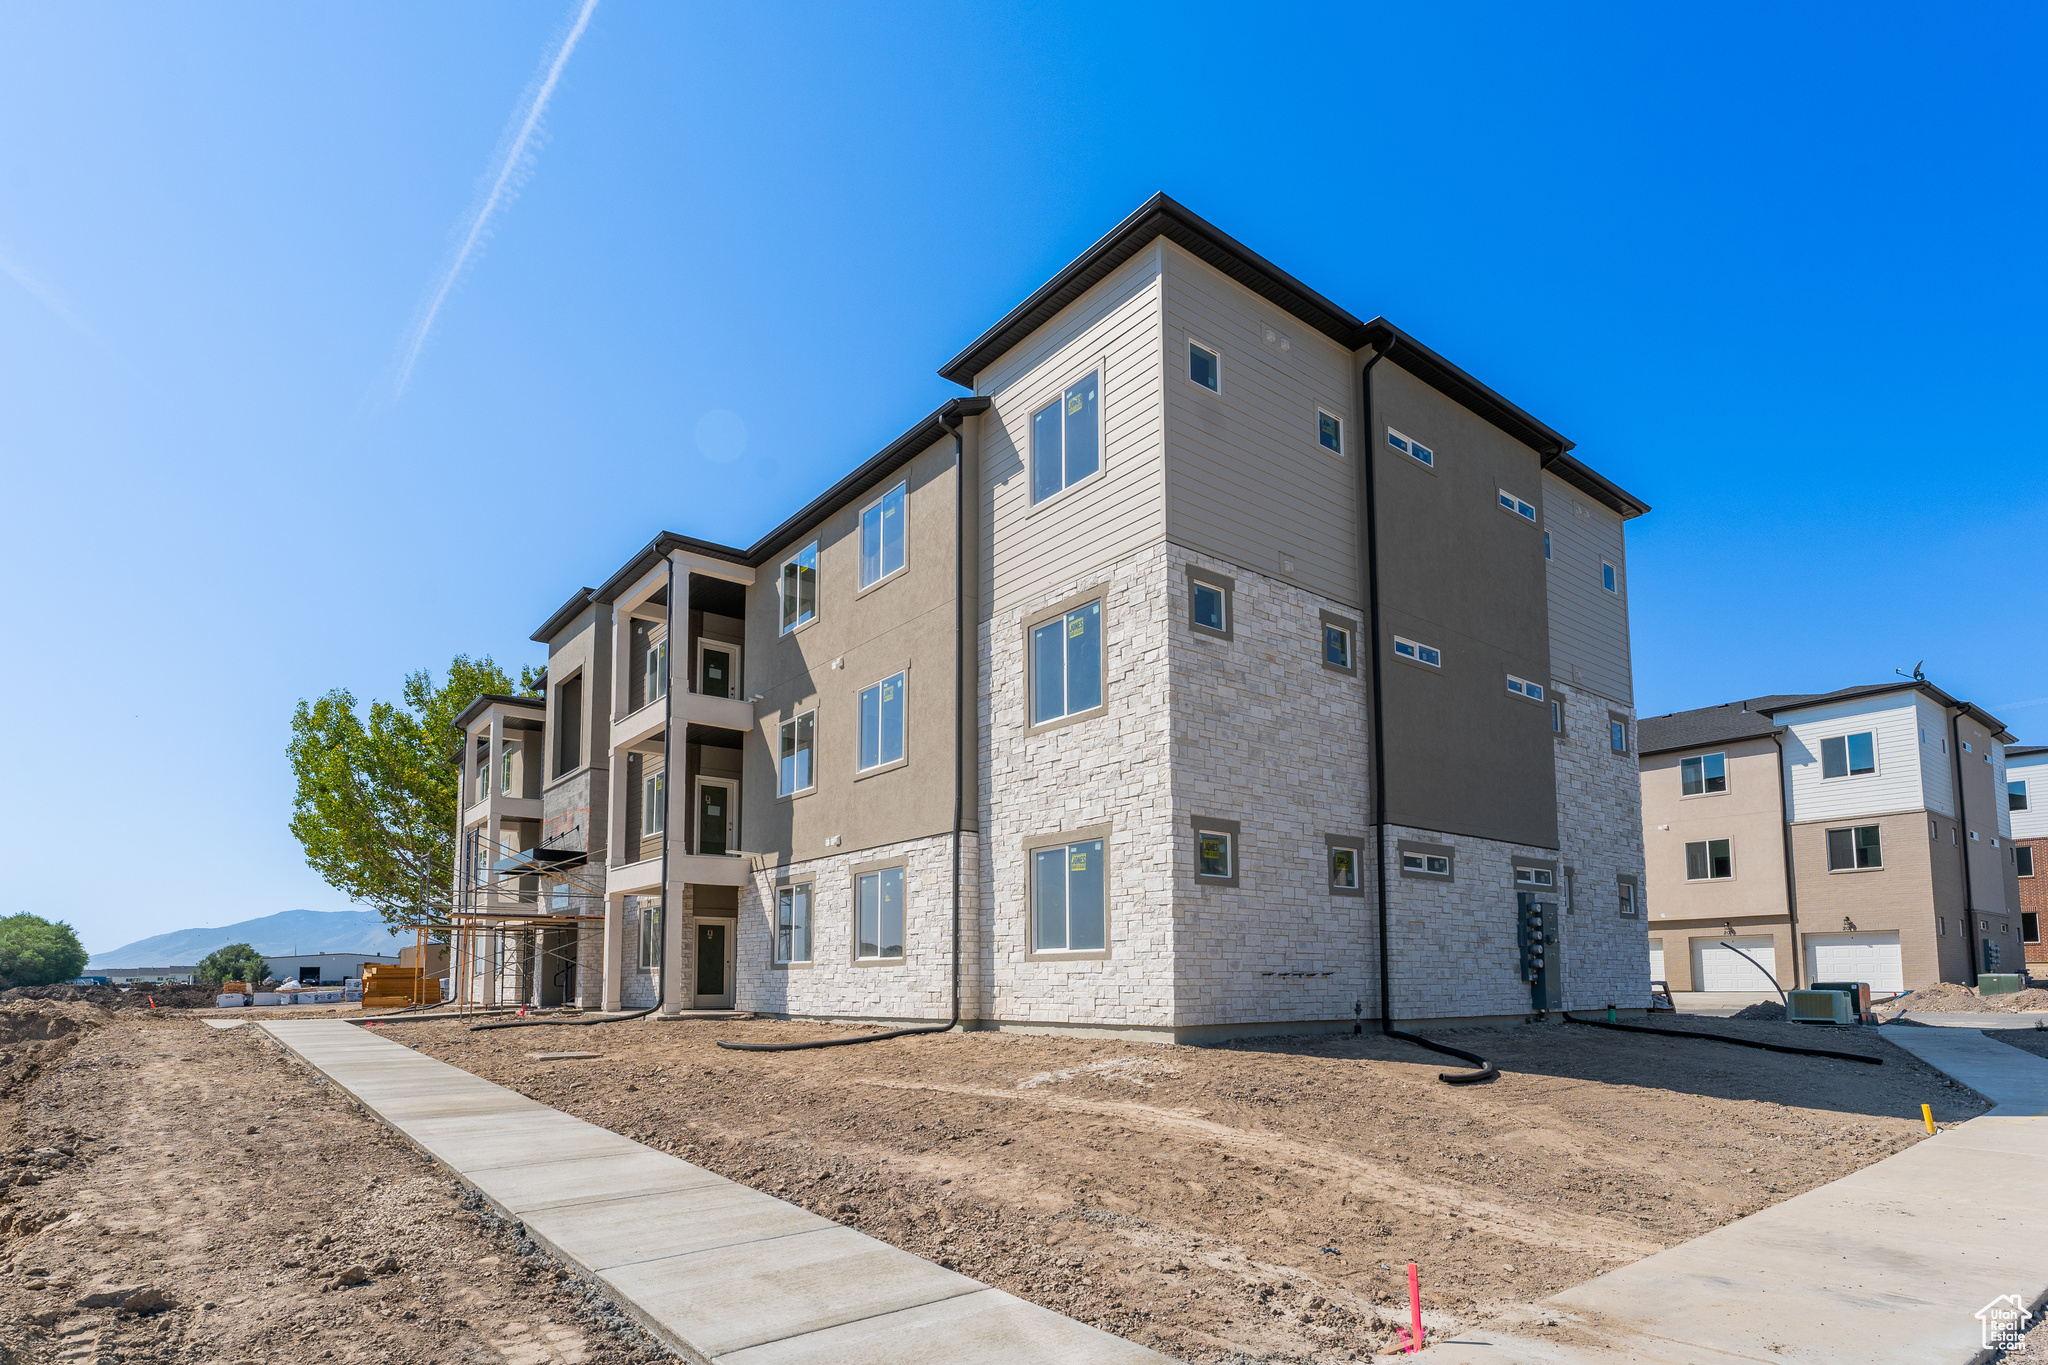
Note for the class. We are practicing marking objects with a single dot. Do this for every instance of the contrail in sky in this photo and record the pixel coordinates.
(34, 289)
(513, 167)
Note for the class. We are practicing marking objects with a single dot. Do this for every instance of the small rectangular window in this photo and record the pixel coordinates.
(1069, 898)
(878, 902)
(1546, 544)
(1617, 736)
(1433, 864)
(506, 756)
(1330, 431)
(1556, 716)
(1709, 860)
(1523, 688)
(1521, 507)
(1607, 578)
(1855, 848)
(1066, 664)
(654, 670)
(881, 536)
(1336, 646)
(1415, 450)
(650, 933)
(1703, 776)
(881, 723)
(2023, 858)
(1535, 876)
(1848, 755)
(2016, 795)
(800, 588)
(654, 804)
(1212, 853)
(794, 773)
(1207, 603)
(1344, 869)
(1204, 368)
(1420, 653)
(1066, 439)
(793, 924)
(1628, 900)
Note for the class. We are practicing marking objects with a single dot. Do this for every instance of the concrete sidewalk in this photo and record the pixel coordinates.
(1887, 1266)
(1982, 1019)
(720, 1272)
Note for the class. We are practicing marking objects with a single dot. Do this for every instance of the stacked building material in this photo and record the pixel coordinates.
(387, 987)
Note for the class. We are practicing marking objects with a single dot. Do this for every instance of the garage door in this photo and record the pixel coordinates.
(1657, 960)
(1855, 957)
(1714, 968)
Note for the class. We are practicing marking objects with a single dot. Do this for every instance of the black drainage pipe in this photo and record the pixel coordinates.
(1722, 1038)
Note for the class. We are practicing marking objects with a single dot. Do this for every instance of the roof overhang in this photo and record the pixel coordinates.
(1928, 689)
(490, 699)
(564, 614)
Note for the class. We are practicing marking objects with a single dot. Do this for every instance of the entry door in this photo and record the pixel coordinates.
(718, 669)
(1657, 960)
(1715, 968)
(715, 816)
(714, 964)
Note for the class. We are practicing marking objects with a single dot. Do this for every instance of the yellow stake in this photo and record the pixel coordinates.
(1927, 1112)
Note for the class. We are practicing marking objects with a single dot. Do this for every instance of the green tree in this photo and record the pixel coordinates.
(236, 962)
(36, 952)
(377, 802)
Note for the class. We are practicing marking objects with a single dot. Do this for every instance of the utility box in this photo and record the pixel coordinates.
(1857, 991)
(1999, 983)
(1820, 1007)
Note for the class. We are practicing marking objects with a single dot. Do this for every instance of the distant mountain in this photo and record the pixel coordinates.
(290, 931)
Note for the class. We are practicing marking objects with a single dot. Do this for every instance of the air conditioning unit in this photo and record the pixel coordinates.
(1857, 991)
(1820, 1007)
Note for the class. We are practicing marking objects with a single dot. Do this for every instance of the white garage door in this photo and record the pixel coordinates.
(1714, 968)
(1657, 960)
(1855, 957)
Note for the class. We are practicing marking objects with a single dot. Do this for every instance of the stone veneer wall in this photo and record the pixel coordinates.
(637, 984)
(1455, 950)
(1265, 735)
(832, 984)
(1112, 770)
(1600, 826)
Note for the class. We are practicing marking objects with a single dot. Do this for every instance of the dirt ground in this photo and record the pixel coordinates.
(150, 1149)
(1251, 1202)
(1946, 997)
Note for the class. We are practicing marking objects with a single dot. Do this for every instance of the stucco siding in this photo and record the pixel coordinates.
(1746, 814)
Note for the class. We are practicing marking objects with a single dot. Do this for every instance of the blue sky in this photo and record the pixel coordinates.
(1777, 270)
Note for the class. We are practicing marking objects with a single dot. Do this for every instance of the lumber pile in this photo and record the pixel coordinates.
(386, 987)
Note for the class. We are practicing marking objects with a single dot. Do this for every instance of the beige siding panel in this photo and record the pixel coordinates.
(1246, 479)
(1028, 549)
(1588, 625)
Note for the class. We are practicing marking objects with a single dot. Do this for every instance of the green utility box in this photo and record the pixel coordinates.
(1857, 991)
(1999, 983)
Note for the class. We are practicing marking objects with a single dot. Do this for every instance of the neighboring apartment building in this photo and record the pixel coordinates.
(1859, 835)
(1057, 712)
(2026, 797)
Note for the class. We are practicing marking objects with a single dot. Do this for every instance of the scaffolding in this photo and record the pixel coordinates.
(515, 929)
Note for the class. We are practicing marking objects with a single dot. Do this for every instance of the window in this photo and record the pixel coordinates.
(881, 536)
(562, 898)
(1212, 853)
(1435, 864)
(654, 670)
(1066, 664)
(878, 912)
(1209, 605)
(1851, 850)
(1336, 646)
(1066, 439)
(1628, 899)
(2030, 927)
(1703, 776)
(881, 723)
(1344, 869)
(1848, 755)
(1535, 876)
(1607, 578)
(1412, 448)
(1204, 368)
(2016, 796)
(505, 757)
(793, 924)
(1521, 687)
(1521, 507)
(1617, 735)
(1546, 544)
(2023, 859)
(1420, 653)
(800, 589)
(1330, 431)
(654, 803)
(1709, 860)
(798, 734)
(1068, 903)
(650, 932)
(569, 726)
(1556, 716)
(483, 769)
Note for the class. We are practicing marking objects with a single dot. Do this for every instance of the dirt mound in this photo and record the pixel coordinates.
(31, 1021)
(1762, 1009)
(167, 994)
(1946, 997)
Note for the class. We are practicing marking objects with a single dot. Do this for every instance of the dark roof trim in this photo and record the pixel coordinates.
(1709, 742)
(1970, 709)
(484, 703)
(891, 458)
(563, 615)
(2013, 751)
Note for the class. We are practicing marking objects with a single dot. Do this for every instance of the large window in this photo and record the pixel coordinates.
(1069, 901)
(1066, 664)
(800, 588)
(881, 536)
(2030, 927)
(1851, 850)
(654, 671)
(2023, 859)
(795, 771)
(1703, 776)
(881, 723)
(2016, 795)
(793, 924)
(1066, 439)
(1849, 755)
(654, 803)
(507, 756)
(878, 912)
(569, 726)
(650, 932)
(1709, 860)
